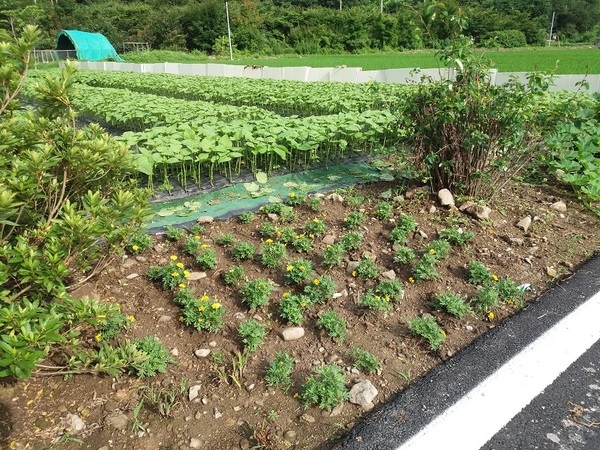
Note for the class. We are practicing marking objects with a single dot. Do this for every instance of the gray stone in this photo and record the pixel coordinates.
(390, 274)
(193, 392)
(202, 352)
(118, 421)
(175, 352)
(445, 197)
(551, 271)
(128, 263)
(195, 276)
(164, 318)
(217, 414)
(351, 267)
(290, 435)
(524, 223)
(307, 418)
(74, 422)
(131, 276)
(273, 217)
(432, 209)
(363, 393)
(559, 206)
(480, 212)
(292, 333)
(329, 239)
(195, 443)
(335, 198)
(205, 219)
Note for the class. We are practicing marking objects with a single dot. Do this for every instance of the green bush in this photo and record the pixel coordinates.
(505, 39)
(326, 387)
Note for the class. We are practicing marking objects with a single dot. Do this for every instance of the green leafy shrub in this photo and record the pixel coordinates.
(272, 254)
(404, 255)
(140, 243)
(391, 290)
(234, 275)
(315, 227)
(191, 245)
(157, 357)
(294, 199)
(351, 241)
(333, 323)
(439, 249)
(325, 387)
(455, 236)
(225, 240)
(206, 258)
(486, 298)
(367, 269)
(383, 210)
(247, 217)
(256, 293)
(333, 255)
(452, 303)
(268, 230)
(204, 313)
(302, 244)
(252, 334)
(509, 292)
(505, 39)
(173, 233)
(375, 302)
(472, 136)
(298, 271)
(320, 289)
(479, 274)
(354, 220)
(428, 329)
(243, 251)
(425, 268)
(279, 371)
(365, 361)
(171, 275)
(292, 308)
(405, 225)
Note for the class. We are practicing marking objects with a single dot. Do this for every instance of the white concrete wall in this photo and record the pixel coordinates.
(341, 74)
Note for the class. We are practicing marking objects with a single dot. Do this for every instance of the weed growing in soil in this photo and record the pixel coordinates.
(428, 329)
(279, 371)
(333, 323)
(325, 387)
(234, 275)
(252, 333)
(365, 361)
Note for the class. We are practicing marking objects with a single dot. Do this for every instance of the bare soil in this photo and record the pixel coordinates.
(35, 414)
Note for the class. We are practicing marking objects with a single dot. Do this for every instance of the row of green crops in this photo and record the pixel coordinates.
(281, 96)
(191, 141)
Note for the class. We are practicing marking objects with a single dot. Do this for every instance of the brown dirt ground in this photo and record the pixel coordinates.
(33, 413)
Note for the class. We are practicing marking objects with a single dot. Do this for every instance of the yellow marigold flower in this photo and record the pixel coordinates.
(186, 274)
(98, 337)
(411, 280)
(328, 245)
(302, 267)
(315, 220)
(292, 195)
(286, 294)
(181, 319)
(215, 305)
(197, 237)
(303, 304)
(509, 301)
(296, 395)
(262, 208)
(312, 236)
(354, 273)
(432, 251)
(204, 246)
(491, 315)
(316, 282)
(174, 274)
(289, 268)
(173, 257)
(298, 236)
(131, 319)
(201, 308)
(495, 277)
(345, 219)
(269, 241)
(200, 320)
(387, 298)
(181, 285)
(135, 248)
(180, 265)
(443, 332)
(377, 297)
(204, 297)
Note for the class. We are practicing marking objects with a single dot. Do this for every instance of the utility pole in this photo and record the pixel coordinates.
(229, 31)
(551, 29)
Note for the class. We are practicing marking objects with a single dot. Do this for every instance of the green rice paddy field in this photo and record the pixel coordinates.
(567, 60)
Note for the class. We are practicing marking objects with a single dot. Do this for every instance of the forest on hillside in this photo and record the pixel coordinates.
(311, 26)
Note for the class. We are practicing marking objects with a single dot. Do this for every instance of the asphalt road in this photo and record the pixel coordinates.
(532, 382)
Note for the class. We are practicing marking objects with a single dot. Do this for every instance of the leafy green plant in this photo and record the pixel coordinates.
(315, 227)
(279, 371)
(383, 210)
(173, 233)
(272, 254)
(354, 220)
(225, 240)
(404, 255)
(247, 217)
(196, 229)
(292, 307)
(439, 249)
(365, 361)
(156, 359)
(456, 236)
(287, 235)
(428, 329)
(509, 292)
(302, 244)
(295, 199)
(191, 245)
(452, 303)
(298, 271)
(206, 258)
(163, 400)
(367, 269)
(268, 230)
(243, 251)
(333, 323)
(391, 290)
(425, 268)
(405, 224)
(114, 324)
(315, 204)
(140, 243)
(375, 302)
(486, 298)
(478, 273)
(204, 313)
(234, 275)
(325, 387)
(171, 275)
(256, 293)
(320, 289)
(333, 255)
(252, 333)
(351, 241)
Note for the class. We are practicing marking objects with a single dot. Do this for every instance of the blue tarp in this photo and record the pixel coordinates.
(88, 46)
